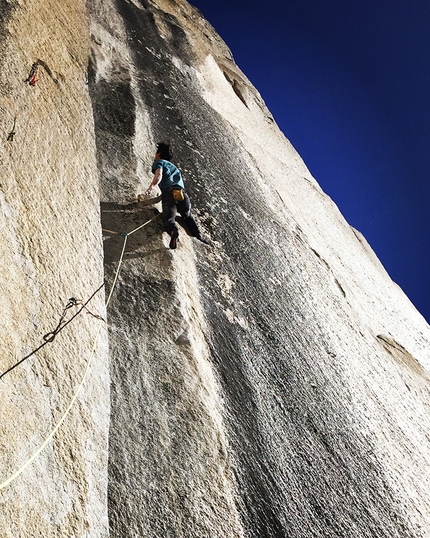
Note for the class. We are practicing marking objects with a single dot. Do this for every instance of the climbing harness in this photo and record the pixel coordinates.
(12, 134)
(60, 326)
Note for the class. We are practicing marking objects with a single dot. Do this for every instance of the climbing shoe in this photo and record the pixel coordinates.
(173, 239)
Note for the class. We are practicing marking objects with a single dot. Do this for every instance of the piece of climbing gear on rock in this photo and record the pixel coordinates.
(110, 231)
(78, 302)
(49, 337)
(33, 77)
(12, 134)
(45, 66)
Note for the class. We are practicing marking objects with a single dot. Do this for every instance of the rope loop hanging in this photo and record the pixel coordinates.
(51, 336)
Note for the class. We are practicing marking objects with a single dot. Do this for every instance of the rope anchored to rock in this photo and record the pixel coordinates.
(51, 336)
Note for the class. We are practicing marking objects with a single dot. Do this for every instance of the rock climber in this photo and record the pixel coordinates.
(173, 196)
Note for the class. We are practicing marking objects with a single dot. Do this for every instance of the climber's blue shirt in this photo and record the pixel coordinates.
(171, 175)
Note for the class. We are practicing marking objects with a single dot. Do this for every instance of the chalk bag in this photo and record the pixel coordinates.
(178, 195)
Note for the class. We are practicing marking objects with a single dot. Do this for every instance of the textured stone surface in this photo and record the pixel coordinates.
(274, 384)
(315, 362)
(51, 251)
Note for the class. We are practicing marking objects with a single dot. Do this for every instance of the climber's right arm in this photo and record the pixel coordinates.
(158, 174)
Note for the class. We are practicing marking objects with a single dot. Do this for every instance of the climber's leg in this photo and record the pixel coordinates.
(169, 212)
(184, 209)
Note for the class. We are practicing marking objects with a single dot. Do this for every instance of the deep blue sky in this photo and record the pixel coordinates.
(348, 82)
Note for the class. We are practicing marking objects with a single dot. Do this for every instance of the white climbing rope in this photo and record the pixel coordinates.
(69, 407)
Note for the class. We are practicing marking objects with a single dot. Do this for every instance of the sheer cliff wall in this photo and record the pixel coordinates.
(51, 249)
(273, 384)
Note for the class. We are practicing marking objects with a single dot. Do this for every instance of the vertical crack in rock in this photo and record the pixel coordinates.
(169, 469)
(249, 397)
(167, 443)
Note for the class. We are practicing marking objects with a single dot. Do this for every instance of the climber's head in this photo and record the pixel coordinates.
(163, 151)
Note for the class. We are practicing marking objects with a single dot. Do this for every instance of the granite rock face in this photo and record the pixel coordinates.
(275, 383)
(51, 247)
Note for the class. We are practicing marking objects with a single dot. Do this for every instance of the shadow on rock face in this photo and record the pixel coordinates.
(119, 220)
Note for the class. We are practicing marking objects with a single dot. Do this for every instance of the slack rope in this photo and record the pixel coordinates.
(73, 400)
